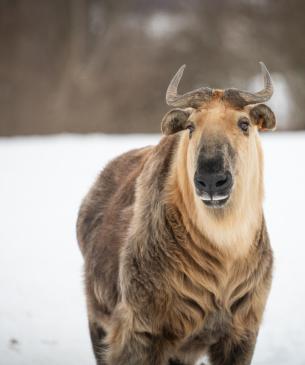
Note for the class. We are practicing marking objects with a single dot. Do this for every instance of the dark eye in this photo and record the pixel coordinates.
(244, 125)
(191, 128)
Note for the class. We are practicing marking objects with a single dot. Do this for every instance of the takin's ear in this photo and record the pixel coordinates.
(263, 117)
(175, 120)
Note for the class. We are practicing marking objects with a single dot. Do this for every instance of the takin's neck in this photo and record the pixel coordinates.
(232, 229)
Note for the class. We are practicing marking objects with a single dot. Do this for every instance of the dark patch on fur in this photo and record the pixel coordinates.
(226, 352)
(98, 335)
(175, 362)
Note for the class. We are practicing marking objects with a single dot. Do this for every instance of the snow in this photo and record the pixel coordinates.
(42, 307)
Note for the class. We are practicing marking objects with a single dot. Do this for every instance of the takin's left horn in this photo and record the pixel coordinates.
(243, 98)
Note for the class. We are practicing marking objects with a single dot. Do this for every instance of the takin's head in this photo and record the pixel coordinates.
(222, 152)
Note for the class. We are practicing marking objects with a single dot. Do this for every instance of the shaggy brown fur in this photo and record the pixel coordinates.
(168, 280)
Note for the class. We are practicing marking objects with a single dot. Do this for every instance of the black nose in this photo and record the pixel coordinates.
(212, 183)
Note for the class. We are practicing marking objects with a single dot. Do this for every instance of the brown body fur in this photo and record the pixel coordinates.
(164, 281)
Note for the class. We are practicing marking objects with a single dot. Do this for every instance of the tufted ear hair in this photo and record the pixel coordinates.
(263, 117)
(175, 120)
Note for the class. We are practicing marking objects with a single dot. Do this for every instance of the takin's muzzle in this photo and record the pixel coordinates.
(213, 177)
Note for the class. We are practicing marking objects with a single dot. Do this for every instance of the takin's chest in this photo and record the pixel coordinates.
(206, 308)
(201, 318)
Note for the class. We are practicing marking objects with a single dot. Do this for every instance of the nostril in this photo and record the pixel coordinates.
(221, 181)
(201, 182)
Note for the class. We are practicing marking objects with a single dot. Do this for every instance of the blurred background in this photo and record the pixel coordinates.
(103, 66)
(82, 81)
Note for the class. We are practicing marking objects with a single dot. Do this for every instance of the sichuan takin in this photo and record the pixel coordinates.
(177, 257)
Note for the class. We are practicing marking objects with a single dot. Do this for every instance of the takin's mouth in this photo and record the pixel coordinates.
(215, 200)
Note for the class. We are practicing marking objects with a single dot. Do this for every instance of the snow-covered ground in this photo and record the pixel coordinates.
(42, 307)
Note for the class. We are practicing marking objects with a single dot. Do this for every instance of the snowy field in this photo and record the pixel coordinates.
(42, 307)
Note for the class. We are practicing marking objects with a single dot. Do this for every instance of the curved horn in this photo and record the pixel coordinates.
(171, 92)
(191, 99)
(243, 98)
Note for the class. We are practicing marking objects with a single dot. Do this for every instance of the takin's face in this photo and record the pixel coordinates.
(222, 147)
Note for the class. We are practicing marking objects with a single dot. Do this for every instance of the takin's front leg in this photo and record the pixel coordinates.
(127, 345)
(229, 352)
(135, 349)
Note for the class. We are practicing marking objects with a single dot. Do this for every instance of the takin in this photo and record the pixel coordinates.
(177, 259)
